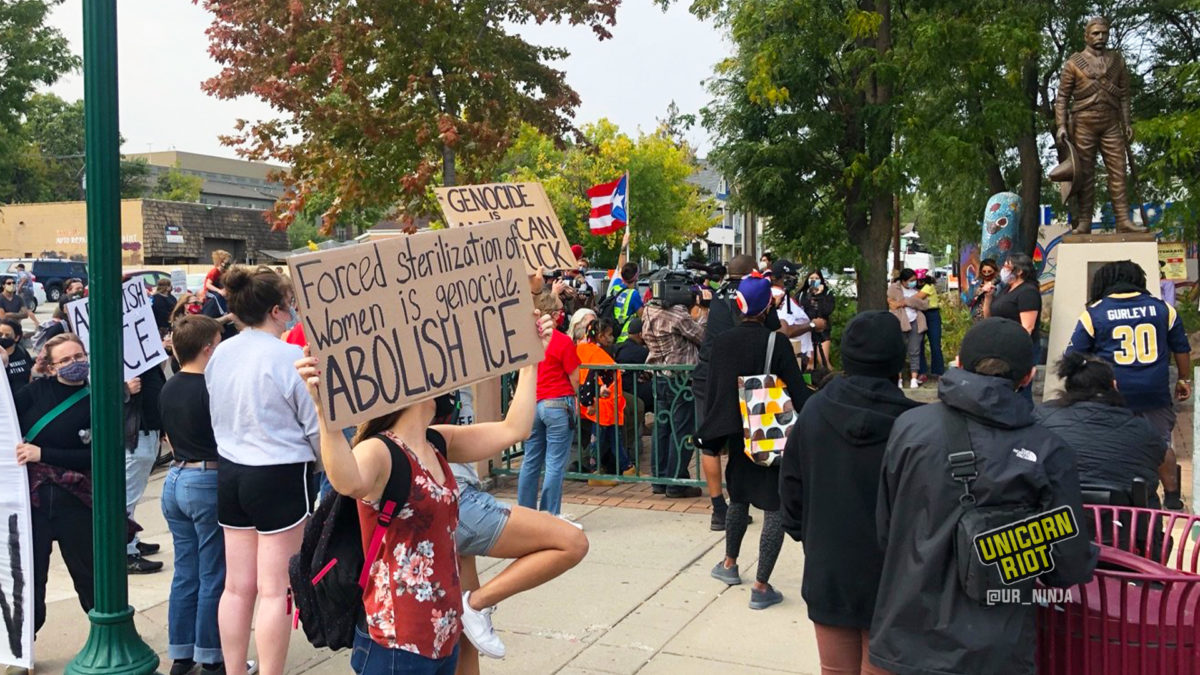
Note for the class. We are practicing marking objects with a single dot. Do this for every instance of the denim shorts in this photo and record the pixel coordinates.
(481, 519)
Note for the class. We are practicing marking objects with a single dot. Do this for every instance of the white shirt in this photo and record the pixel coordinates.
(790, 313)
(261, 411)
(910, 312)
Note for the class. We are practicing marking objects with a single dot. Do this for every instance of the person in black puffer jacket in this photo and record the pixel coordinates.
(1112, 445)
(829, 483)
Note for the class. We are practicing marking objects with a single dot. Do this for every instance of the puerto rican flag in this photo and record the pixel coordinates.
(609, 204)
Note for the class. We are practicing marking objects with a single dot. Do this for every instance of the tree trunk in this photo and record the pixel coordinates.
(449, 178)
(1031, 161)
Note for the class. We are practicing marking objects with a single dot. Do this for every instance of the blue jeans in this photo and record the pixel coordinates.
(549, 445)
(189, 503)
(371, 658)
(937, 363)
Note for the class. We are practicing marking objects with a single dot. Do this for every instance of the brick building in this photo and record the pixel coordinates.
(153, 232)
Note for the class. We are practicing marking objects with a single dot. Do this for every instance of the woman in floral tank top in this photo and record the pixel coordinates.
(413, 598)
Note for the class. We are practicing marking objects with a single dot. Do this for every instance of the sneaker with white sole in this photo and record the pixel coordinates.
(914, 384)
(477, 626)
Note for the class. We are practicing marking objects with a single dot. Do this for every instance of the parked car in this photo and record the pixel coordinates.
(39, 291)
(51, 272)
(149, 277)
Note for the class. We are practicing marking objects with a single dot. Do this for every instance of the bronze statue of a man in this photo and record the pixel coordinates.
(1098, 81)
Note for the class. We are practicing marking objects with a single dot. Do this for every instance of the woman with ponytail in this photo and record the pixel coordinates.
(413, 619)
(265, 426)
(1112, 445)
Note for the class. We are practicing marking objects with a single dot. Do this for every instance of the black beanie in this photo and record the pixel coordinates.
(1001, 339)
(873, 345)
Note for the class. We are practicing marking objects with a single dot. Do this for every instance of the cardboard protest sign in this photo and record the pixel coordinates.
(143, 345)
(400, 320)
(543, 243)
(16, 555)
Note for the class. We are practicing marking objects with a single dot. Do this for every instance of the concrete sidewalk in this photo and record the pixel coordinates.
(641, 602)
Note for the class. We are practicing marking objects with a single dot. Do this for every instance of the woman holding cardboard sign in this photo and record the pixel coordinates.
(412, 621)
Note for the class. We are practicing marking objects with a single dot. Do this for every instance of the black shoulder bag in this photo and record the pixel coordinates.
(975, 575)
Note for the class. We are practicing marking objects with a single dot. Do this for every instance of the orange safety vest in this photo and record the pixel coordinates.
(593, 354)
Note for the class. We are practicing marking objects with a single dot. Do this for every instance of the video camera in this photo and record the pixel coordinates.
(677, 288)
(715, 272)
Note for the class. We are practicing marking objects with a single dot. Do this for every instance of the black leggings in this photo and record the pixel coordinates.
(737, 519)
(60, 516)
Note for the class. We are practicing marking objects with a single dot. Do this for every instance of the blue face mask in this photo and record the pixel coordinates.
(293, 318)
(75, 371)
(814, 283)
(911, 284)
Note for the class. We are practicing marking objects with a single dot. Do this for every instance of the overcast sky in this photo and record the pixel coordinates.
(654, 57)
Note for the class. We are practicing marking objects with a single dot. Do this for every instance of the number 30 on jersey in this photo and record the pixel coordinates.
(1139, 344)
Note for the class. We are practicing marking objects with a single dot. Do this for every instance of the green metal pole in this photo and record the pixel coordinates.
(113, 644)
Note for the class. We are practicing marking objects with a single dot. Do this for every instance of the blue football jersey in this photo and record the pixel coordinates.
(1138, 334)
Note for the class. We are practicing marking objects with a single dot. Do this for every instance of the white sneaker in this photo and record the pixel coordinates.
(570, 519)
(900, 383)
(914, 384)
(477, 626)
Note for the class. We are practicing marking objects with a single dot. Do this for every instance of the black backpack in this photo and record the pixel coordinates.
(608, 308)
(329, 573)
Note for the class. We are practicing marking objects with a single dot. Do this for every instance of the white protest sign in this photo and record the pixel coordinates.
(143, 345)
(178, 281)
(16, 557)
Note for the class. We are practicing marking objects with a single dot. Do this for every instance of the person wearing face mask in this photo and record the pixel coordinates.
(818, 303)
(162, 303)
(56, 420)
(265, 426)
(765, 261)
(908, 306)
(1021, 302)
(11, 304)
(18, 363)
(987, 275)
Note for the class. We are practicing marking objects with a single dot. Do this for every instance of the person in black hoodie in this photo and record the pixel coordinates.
(723, 315)
(744, 352)
(829, 483)
(929, 615)
(1112, 444)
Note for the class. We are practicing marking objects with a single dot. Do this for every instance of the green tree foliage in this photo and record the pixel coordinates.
(379, 98)
(804, 120)
(32, 54)
(665, 210)
(1167, 116)
(827, 107)
(45, 160)
(174, 185)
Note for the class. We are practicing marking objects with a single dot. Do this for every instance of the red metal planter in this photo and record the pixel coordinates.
(1138, 614)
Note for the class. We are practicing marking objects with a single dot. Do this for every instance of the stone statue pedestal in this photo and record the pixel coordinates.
(1079, 256)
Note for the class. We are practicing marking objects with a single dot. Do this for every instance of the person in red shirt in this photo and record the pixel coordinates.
(550, 443)
(212, 280)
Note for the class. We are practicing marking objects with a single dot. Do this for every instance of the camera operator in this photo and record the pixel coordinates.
(723, 315)
(673, 327)
(794, 322)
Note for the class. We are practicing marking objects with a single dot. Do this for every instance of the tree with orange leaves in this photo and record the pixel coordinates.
(379, 98)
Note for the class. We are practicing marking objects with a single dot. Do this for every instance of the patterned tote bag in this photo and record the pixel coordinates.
(767, 413)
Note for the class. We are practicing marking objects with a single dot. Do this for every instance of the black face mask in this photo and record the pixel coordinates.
(447, 405)
(6, 342)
